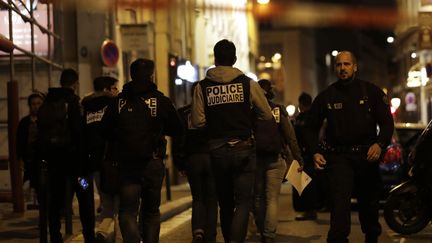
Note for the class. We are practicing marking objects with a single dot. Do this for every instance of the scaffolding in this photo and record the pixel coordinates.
(24, 9)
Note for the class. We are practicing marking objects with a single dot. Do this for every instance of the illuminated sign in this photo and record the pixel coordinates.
(22, 30)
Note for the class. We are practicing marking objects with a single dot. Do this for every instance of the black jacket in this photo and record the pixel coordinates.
(353, 110)
(164, 121)
(72, 156)
(95, 106)
(194, 140)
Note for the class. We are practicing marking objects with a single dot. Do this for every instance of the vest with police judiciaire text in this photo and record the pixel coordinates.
(227, 108)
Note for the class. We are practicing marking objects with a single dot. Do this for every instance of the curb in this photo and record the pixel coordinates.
(168, 210)
(172, 208)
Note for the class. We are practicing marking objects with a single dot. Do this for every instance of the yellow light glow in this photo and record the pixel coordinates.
(263, 1)
(291, 110)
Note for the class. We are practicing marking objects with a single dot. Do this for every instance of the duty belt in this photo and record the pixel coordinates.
(345, 148)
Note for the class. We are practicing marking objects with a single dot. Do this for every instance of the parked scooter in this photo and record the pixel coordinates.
(408, 208)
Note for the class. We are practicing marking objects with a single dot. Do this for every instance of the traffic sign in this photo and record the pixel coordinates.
(109, 53)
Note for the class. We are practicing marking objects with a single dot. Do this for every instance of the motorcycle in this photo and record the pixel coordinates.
(408, 208)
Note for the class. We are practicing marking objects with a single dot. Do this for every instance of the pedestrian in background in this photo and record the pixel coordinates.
(95, 105)
(26, 141)
(139, 119)
(224, 103)
(309, 201)
(271, 136)
(193, 160)
(353, 109)
(61, 145)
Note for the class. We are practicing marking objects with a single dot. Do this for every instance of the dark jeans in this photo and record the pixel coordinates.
(345, 173)
(144, 183)
(204, 199)
(59, 185)
(234, 172)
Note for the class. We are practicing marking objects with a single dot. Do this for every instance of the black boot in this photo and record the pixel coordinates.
(267, 240)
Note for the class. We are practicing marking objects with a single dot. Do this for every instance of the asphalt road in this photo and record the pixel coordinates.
(178, 229)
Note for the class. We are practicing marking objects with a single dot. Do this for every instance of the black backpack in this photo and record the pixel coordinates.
(54, 124)
(139, 131)
(267, 136)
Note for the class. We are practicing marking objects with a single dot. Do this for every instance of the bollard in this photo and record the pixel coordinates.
(43, 202)
(68, 207)
(167, 184)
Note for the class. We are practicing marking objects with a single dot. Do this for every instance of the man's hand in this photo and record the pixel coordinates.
(319, 161)
(374, 152)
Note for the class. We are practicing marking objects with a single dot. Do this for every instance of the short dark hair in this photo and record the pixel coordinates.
(305, 99)
(224, 53)
(103, 82)
(35, 95)
(68, 77)
(265, 84)
(142, 69)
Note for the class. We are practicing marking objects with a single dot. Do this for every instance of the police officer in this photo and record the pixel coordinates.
(191, 157)
(223, 103)
(271, 168)
(353, 109)
(139, 119)
(95, 105)
(308, 202)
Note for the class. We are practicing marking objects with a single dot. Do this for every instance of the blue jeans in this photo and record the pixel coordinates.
(145, 184)
(234, 172)
(269, 176)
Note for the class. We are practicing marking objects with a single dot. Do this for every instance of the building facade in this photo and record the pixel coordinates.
(102, 37)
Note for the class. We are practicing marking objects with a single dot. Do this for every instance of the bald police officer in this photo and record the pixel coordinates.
(353, 109)
(223, 103)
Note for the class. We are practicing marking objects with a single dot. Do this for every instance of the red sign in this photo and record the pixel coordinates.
(109, 53)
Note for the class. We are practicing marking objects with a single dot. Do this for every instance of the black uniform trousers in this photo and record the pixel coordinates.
(59, 185)
(348, 171)
(204, 203)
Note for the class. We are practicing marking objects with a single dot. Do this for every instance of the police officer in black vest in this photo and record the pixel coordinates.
(139, 119)
(223, 103)
(353, 109)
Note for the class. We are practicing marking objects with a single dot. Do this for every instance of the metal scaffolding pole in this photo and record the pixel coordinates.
(13, 119)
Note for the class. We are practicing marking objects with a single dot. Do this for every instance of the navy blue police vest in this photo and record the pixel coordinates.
(227, 108)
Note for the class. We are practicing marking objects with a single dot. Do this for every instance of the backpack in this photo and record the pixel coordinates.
(267, 137)
(54, 125)
(139, 131)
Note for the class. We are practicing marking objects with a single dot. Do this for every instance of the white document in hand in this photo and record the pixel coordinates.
(298, 179)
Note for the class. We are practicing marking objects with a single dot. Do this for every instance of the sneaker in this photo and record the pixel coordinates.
(310, 215)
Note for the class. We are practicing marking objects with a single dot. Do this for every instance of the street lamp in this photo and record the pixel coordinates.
(390, 39)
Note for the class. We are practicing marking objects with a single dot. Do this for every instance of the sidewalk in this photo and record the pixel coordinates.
(23, 228)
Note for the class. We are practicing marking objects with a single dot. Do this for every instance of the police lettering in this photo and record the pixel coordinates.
(95, 116)
(225, 94)
(276, 114)
(152, 105)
